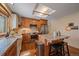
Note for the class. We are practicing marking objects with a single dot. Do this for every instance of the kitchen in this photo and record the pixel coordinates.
(29, 29)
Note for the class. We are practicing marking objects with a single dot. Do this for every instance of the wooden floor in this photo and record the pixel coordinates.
(73, 51)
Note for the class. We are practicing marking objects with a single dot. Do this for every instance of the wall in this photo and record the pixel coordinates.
(60, 24)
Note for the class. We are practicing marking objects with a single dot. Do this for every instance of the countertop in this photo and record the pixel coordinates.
(50, 38)
(5, 43)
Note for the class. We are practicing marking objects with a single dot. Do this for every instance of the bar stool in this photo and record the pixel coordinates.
(58, 49)
(65, 49)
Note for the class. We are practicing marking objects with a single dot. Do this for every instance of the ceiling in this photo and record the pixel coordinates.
(62, 9)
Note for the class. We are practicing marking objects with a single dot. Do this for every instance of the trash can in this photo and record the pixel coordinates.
(40, 49)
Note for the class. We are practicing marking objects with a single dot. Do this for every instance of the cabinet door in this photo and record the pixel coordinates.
(44, 29)
(28, 46)
(11, 51)
(26, 38)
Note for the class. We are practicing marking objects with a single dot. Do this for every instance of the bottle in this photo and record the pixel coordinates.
(7, 34)
(59, 33)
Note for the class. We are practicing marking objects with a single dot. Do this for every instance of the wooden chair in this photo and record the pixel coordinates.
(58, 48)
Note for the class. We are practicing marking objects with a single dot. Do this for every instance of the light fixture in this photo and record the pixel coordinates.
(11, 3)
(67, 28)
(25, 30)
(71, 26)
(42, 11)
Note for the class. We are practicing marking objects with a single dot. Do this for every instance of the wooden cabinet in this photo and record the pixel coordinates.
(26, 38)
(38, 24)
(27, 43)
(12, 50)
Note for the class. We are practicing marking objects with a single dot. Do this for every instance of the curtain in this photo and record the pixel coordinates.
(2, 24)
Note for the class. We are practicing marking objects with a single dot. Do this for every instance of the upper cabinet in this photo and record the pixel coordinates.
(39, 25)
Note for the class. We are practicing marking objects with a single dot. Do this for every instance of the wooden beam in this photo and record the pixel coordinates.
(1, 14)
(3, 11)
(6, 8)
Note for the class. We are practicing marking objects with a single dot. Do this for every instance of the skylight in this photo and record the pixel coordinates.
(42, 11)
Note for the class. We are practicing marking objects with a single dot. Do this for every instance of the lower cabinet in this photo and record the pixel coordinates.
(26, 43)
(28, 46)
(12, 50)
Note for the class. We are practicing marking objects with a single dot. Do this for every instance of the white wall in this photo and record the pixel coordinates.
(60, 24)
